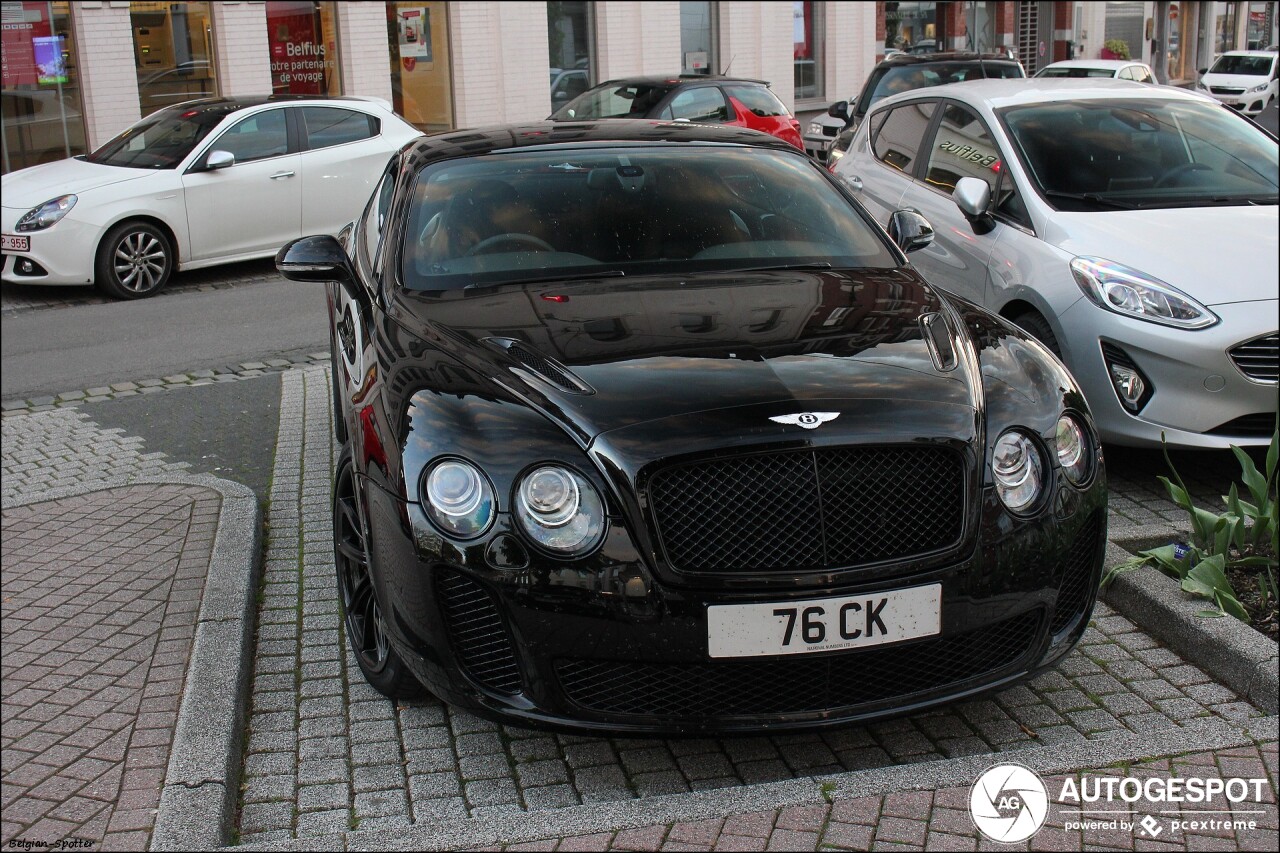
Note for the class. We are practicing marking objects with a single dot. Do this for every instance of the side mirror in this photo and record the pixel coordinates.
(1203, 70)
(840, 110)
(319, 258)
(219, 160)
(909, 230)
(973, 196)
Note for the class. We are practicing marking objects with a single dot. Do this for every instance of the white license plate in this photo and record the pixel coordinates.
(823, 624)
(14, 243)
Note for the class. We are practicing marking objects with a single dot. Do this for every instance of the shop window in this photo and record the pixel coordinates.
(570, 49)
(910, 27)
(697, 37)
(41, 87)
(303, 39)
(807, 28)
(173, 51)
(421, 81)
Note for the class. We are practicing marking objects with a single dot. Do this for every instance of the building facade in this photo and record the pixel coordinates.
(77, 73)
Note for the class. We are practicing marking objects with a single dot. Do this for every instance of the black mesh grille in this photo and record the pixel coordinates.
(476, 632)
(1075, 585)
(544, 367)
(808, 510)
(1259, 358)
(840, 681)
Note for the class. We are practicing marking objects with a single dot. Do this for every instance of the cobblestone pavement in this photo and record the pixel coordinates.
(327, 754)
(939, 819)
(100, 597)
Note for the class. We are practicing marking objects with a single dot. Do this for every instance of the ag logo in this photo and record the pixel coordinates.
(806, 420)
(1008, 803)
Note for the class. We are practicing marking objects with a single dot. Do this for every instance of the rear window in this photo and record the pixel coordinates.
(609, 100)
(624, 211)
(905, 78)
(1077, 72)
(758, 100)
(328, 126)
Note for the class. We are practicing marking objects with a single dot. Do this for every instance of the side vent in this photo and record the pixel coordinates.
(546, 368)
(938, 336)
(479, 639)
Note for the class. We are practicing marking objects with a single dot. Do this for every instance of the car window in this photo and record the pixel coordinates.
(1076, 72)
(897, 140)
(906, 78)
(704, 104)
(1126, 73)
(257, 137)
(1143, 152)
(375, 219)
(328, 126)
(160, 141)
(610, 100)
(758, 100)
(628, 211)
(962, 148)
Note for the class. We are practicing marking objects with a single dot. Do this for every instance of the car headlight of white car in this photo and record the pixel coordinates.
(1261, 87)
(42, 216)
(815, 129)
(1118, 288)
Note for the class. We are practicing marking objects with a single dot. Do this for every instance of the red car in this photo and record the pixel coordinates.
(687, 97)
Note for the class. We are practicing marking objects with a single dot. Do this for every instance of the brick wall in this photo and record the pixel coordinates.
(499, 62)
(363, 51)
(755, 41)
(637, 38)
(240, 45)
(108, 73)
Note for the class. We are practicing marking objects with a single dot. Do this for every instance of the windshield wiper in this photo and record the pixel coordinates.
(1095, 198)
(586, 276)
(817, 265)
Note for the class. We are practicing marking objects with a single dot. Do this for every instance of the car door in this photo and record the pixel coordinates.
(343, 155)
(253, 206)
(878, 167)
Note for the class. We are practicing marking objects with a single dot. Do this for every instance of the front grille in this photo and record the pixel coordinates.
(1075, 580)
(830, 130)
(798, 684)
(1225, 90)
(810, 509)
(476, 633)
(1260, 425)
(1259, 358)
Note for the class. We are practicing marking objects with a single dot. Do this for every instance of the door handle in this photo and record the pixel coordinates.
(278, 175)
(855, 183)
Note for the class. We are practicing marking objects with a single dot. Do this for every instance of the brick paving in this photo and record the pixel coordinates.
(938, 819)
(100, 598)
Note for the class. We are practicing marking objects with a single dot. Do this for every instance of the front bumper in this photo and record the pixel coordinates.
(594, 649)
(64, 252)
(818, 147)
(1249, 103)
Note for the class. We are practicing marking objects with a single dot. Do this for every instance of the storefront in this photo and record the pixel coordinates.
(173, 52)
(421, 79)
(42, 113)
(302, 37)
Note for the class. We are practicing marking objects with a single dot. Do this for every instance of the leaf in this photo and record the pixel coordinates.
(1195, 587)
(1119, 569)
(1206, 525)
(1251, 475)
(1166, 560)
(1232, 605)
(1215, 614)
(1273, 452)
(1177, 493)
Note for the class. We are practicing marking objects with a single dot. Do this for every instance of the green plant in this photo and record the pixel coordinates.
(1245, 538)
(1119, 47)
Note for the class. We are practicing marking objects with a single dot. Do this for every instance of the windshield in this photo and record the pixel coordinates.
(1104, 154)
(162, 140)
(609, 100)
(1253, 66)
(625, 211)
(904, 78)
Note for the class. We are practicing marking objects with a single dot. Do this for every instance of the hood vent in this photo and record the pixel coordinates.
(545, 367)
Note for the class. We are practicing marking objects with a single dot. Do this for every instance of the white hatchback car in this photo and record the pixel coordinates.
(1120, 69)
(200, 183)
(1245, 80)
(1132, 229)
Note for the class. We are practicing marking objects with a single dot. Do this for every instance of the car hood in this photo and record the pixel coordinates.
(35, 185)
(1215, 255)
(1235, 81)
(617, 353)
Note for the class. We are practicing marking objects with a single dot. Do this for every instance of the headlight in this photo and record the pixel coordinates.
(560, 510)
(1018, 470)
(39, 218)
(459, 499)
(1074, 451)
(815, 129)
(1126, 291)
(1259, 88)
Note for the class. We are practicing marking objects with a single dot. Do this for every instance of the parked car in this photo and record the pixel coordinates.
(206, 182)
(700, 98)
(648, 427)
(1244, 80)
(1120, 69)
(567, 84)
(901, 73)
(1131, 228)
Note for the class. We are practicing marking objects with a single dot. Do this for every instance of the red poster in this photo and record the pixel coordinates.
(297, 51)
(22, 23)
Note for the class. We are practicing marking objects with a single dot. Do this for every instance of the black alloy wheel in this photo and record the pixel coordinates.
(135, 259)
(366, 630)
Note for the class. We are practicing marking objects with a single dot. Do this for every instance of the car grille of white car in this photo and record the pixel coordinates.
(1225, 90)
(1259, 359)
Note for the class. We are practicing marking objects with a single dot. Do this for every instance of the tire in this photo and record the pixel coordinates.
(1038, 327)
(135, 260)
(339, 423)
(362, 617)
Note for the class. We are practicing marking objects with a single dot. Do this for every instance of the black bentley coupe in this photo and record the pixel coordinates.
(649, 428)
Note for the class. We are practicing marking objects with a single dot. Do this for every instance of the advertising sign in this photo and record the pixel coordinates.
(21, 25)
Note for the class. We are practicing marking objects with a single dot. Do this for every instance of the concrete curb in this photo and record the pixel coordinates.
(1199, 735)
(1226, 648)
(198, 802)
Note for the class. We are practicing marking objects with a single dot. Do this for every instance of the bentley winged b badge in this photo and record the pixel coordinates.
(806, 420)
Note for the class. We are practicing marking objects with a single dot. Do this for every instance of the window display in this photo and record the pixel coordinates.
(303, 39)
(173, 49)
(421, 80)
(41, 91)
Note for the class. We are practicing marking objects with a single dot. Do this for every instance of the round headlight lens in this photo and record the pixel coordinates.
(560, 510)
(1073, 450)
(1017, 469)
(459, 499)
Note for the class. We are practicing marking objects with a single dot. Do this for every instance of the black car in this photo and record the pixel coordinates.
(649, 428)
(901, 73)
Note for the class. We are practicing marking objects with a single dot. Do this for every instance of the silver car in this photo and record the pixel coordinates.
(1132, 229)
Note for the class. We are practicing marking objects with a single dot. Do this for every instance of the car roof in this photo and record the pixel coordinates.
(554, 134)
(998, 94)
(229, 105)
(674, 79)
(1093, 63)
(1248, 53)
(946, 56)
